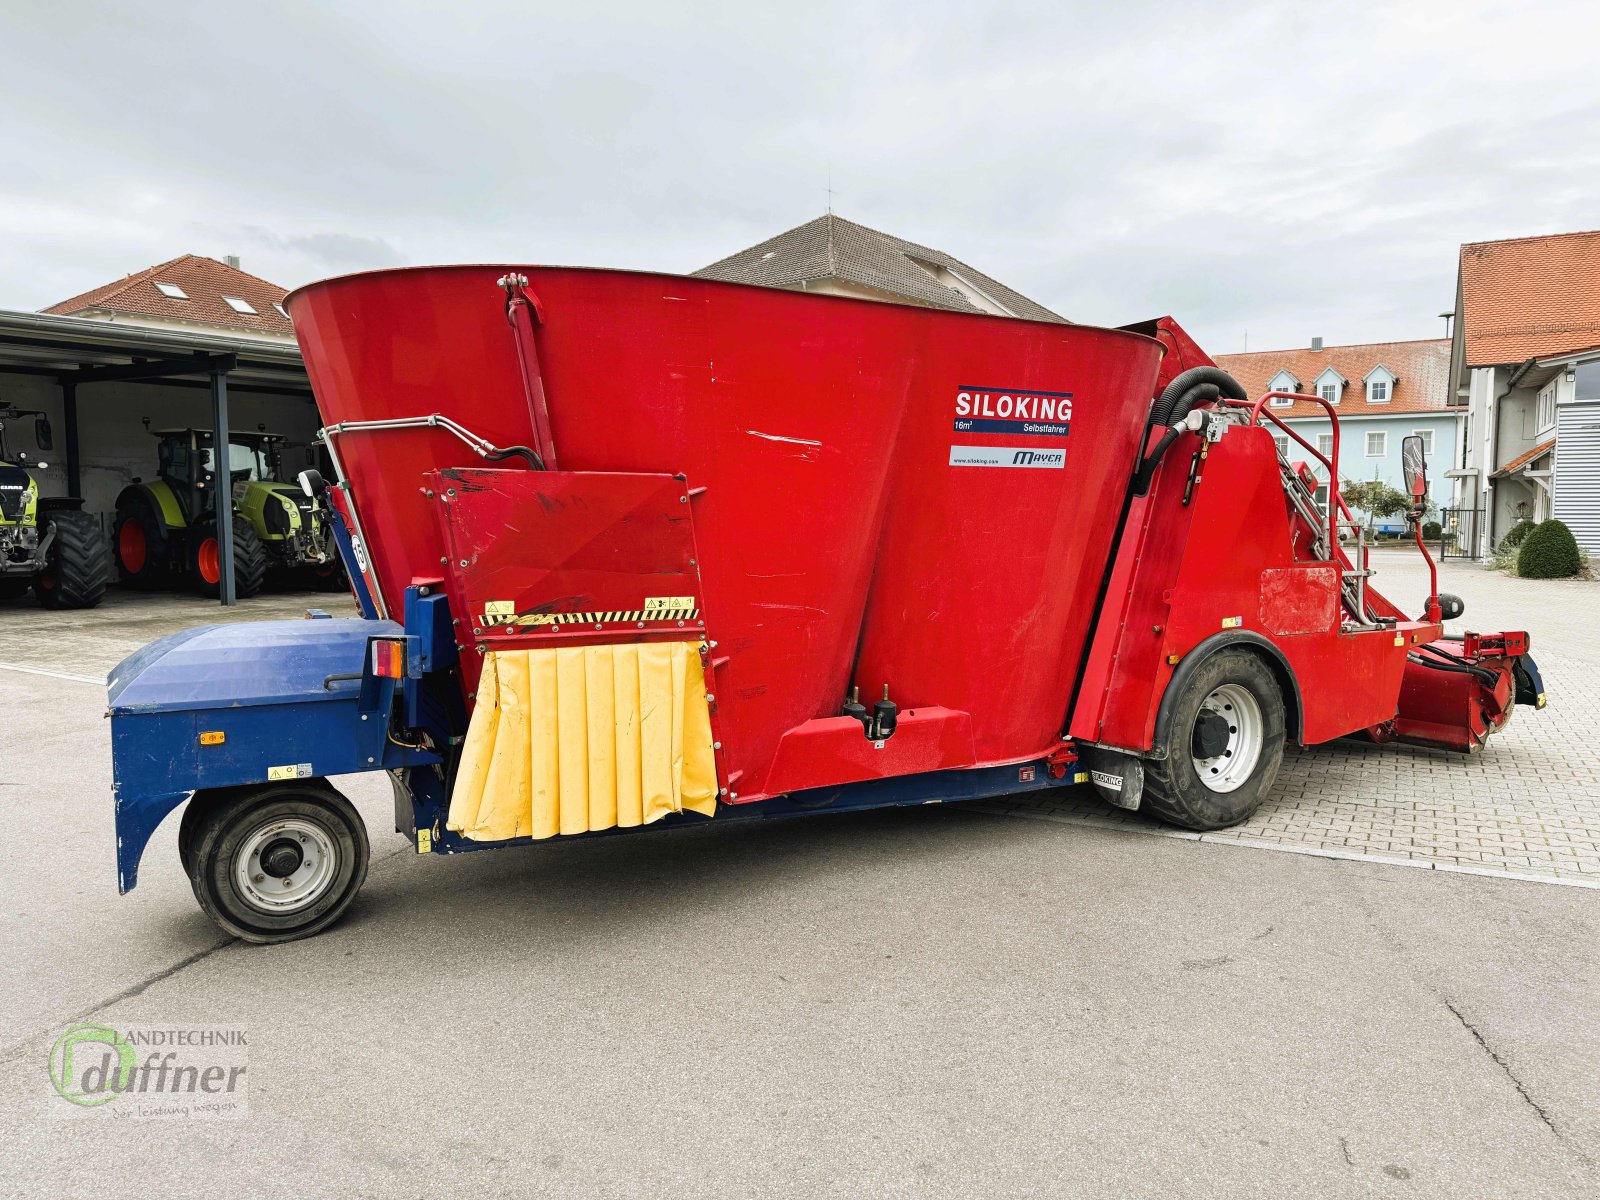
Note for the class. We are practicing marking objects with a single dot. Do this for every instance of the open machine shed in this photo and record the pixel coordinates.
(98, 380)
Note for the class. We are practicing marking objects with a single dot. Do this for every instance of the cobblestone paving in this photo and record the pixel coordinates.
(1526, 806)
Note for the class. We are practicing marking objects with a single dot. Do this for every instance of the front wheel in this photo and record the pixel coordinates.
(1223, 743)
(249, 560)
(77, 566)
(276, 862)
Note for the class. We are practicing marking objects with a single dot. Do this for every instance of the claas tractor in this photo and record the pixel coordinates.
(48, 544)
(166, 529)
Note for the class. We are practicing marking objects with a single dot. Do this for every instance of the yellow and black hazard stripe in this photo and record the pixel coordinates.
(608, 617)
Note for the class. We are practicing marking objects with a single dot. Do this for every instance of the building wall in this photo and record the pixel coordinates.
(114, 446)
(1355, 465)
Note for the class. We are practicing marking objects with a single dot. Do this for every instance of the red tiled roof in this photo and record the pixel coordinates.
(205, 281)
(1530, 297)
(1523, 460)
(1421, 370)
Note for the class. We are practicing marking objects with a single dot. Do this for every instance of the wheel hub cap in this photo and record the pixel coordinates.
(285, 865)
(1228, 737)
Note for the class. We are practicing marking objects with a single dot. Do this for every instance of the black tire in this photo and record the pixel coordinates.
(249, 559)
(149, 564)
(77, 566)
(329, 577)
(11, 588)
(1176, 787)
(312, 820)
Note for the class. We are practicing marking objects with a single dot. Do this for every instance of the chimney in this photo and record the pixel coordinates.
(233, 261)
(1316, 343)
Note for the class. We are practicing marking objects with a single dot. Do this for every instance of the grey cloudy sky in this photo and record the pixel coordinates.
(1289, 169)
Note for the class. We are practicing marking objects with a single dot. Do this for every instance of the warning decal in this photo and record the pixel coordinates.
(498, 612)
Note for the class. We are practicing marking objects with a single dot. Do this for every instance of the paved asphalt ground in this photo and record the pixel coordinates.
(924, 1002)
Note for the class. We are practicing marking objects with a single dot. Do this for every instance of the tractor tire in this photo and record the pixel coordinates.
(77, 567)
(249, 560)
(329, 577)
(276, 862)
(1223, 743)
(141, 545)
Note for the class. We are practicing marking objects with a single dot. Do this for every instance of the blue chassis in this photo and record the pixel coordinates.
(297, 700)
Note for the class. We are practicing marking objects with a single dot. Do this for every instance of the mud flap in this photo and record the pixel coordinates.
(1529, 683)
(1118, 777)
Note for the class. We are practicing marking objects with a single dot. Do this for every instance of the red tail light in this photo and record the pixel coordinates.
(388, 658)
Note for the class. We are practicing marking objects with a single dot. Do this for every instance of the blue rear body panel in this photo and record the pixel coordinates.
(265, 687)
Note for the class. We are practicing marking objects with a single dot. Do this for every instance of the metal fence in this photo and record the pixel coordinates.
(1458, 532)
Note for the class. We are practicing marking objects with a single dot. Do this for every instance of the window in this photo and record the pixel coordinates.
(1586, 381)
(1325, 445)
(1547, 406)
(1377, 444)
(1330, 385)
(1283, 444)
(1282, 382)
(172, 291)
(238, 305)
(1380, 383)
(1427, 440)
(1330, 393)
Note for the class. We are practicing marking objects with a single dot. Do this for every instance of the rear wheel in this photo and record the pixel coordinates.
(139, 541)
(1223, 743)
(77, 566)
(329, 577)
(274, 863)
(249, 559)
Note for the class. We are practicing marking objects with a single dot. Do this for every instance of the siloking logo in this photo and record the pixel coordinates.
(1009, 410)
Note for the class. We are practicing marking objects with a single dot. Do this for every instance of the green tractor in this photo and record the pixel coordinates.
(48, 544)
(166, 530)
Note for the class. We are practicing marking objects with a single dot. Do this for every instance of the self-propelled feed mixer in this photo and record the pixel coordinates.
(637, 550)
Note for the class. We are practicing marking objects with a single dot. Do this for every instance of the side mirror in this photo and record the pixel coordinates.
(1414, 470)
(42, 434)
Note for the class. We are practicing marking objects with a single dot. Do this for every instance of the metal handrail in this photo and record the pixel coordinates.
(1336, 504)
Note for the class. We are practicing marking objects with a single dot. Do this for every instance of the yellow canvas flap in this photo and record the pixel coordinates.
(577, 738)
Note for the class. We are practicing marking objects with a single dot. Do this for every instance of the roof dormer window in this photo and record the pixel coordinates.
(1282, 382)
(1380, 385)
(172, 291)
(1330, 385)
(239, 306)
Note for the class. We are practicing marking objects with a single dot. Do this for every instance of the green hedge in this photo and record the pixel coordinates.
(1518, 531)
(1549, 552)
(1431, 531)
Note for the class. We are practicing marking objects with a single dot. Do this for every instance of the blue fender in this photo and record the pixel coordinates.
(224, 705)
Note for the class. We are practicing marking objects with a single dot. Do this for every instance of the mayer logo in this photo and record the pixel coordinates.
(1005, 456)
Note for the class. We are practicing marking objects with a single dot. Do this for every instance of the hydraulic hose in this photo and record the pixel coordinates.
(522, 452)
(1169, 409)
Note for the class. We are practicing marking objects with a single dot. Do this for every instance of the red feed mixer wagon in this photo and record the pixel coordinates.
(635, 549)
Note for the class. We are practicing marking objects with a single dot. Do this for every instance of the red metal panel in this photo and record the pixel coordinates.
(1226, 561)
(1300, 599)
(818, 437)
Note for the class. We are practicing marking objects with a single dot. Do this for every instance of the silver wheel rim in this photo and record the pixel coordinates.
(303, 886)
(1228, 771)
